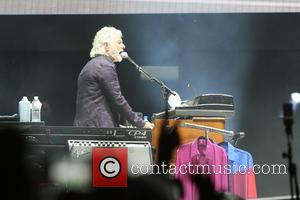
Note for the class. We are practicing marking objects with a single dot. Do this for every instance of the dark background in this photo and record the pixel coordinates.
(254, 57)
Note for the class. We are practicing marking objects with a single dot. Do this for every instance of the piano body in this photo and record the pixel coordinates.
(210, 110)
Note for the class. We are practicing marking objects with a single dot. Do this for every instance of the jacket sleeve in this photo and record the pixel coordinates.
(109, 82)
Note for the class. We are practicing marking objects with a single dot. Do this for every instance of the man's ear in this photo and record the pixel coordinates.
(106, 46)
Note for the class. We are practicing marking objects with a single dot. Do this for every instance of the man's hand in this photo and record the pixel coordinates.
(149, 125)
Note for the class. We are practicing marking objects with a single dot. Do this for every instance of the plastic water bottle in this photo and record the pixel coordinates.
(24, 109)
(36, 110)
(146, 118)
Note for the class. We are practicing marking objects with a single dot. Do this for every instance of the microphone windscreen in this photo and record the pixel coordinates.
(124, 55)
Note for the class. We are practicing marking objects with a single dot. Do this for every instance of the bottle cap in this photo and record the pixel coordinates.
(25, 98)
(36, 97)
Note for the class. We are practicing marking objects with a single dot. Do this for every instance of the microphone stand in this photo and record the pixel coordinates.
(166, 131)
(288, 122)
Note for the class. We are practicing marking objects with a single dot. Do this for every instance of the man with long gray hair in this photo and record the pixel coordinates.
(99, 95)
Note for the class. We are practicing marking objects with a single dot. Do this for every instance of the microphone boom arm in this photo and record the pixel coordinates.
(165, 89)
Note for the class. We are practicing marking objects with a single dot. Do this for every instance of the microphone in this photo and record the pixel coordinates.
(288, 117)
(287, 111)
(124, 55)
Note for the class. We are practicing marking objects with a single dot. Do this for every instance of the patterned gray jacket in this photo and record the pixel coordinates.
(99, 96)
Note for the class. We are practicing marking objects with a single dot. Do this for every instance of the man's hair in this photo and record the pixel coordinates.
(104, 35)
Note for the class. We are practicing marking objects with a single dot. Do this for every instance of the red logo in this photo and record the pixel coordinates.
(110, 167)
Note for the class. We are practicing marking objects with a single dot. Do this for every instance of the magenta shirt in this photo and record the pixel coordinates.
(201, 152)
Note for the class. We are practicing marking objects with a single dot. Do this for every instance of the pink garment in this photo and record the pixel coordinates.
(203, 156)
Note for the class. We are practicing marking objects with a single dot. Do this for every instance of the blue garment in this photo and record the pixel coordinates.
(241, 177)
(238, 159)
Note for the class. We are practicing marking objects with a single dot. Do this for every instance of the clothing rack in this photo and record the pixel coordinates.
(208, 129)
